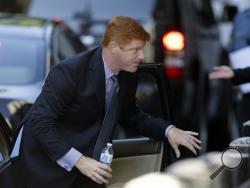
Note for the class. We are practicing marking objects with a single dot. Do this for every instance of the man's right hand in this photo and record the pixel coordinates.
(98, 172)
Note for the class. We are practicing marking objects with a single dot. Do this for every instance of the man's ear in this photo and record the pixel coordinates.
(113, 46)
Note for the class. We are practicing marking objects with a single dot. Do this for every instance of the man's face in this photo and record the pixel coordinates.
(129, 56)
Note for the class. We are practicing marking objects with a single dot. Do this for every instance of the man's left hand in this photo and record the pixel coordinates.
(178, 137)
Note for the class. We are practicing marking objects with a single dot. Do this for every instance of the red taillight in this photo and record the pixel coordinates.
(174, 72)
(173, 41)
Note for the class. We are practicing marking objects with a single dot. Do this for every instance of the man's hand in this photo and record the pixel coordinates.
(178, 137)
(98, 172)
(221, 72)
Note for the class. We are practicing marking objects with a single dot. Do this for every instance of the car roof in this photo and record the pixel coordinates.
(21, 25)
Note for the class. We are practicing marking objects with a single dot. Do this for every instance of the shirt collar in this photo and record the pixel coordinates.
(108, 72)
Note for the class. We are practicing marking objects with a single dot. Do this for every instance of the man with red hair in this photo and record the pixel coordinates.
(63, 134)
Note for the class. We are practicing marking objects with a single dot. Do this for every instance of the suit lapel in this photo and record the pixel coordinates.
(97, 77)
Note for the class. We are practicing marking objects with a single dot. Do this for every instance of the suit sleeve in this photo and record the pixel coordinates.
(55, 99)
(134, 119)
(241, 76)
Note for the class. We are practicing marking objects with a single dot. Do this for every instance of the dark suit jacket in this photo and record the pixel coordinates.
(241, 76)
(69, 113)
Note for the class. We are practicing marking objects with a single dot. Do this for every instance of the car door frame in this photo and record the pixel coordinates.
(132, 148)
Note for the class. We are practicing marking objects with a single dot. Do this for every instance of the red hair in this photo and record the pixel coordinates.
(122, 29)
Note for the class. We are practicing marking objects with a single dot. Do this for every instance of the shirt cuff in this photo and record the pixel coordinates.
(69, 160)
(167, 129)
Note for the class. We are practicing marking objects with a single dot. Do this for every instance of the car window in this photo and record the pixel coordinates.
(65, 44)
(148, 99)
(21, 60)
(148, 95)
(74, 40)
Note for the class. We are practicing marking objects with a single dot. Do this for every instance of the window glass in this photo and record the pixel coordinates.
(65, 48)
(67, 44)
(148, 95)
(21, 60)
(73, 40)
(148, 99)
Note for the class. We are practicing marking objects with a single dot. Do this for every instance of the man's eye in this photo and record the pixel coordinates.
(134, 50)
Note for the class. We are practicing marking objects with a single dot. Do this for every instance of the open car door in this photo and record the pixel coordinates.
(135, 155)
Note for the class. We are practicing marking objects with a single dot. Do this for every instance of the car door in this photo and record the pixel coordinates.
(136, 155)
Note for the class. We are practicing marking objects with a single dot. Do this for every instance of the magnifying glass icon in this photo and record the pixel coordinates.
(231, 158)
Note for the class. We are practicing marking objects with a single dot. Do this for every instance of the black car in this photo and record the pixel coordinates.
(187, 42)
(29, 48)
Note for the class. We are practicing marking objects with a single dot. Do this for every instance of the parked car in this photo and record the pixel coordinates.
(132, 151)
(29, 48)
